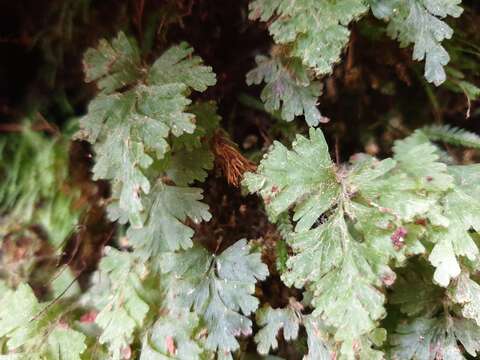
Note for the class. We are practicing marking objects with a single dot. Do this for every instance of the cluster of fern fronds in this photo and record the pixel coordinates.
(383, 252)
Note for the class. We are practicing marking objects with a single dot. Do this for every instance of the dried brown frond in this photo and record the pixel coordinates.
(229, 159)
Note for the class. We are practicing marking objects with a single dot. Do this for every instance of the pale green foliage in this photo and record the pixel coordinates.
(352, 221)
(306, 173)
(123, 308)
(218, 288)
(313, 35)
(289, 320)
(152, 143)
(344, 227)
(456, 82)
(340, 271)
(178, 65)
(272, 321)
(340, 274)
(436, 338)
(426, 170)
(452, 135)
(169, 206)
(35, 331)
(420, 22)
(65, 344)
(316, 30)
(467, 293)
(461, 214)
(130, 121)
(318, 347)
(414, 292)
(206, 123)
(288, 88)
(33, 186)
(113, 65)
(164, 229)
(191, 156)
(18, 308)
(174, 337)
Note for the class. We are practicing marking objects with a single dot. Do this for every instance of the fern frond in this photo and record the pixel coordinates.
(288, 88)
(351, 222)
(316, 31)
(33, 179)
(36, 330)
(422, 24)
(452, 135)
(130, 122)
(152, 144)
(219, 288)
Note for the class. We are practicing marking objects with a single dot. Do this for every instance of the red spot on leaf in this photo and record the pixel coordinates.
(422, 222)
(398, 236)
(267, 200)
(388, 278)
(62, 324)
(170, 345)
(89, 317)
(127, 353)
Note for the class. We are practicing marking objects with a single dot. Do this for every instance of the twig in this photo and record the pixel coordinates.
(57, 298)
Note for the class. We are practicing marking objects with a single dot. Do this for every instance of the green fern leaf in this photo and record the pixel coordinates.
(350, 223)
(462, 211)
(316, 30)
(164, 229)
(414, 292)
(33, 168)
(328, 259)
(341, 274)
(452, 135)
(184, 167)
(289, 319)
(272, 321)
(129, 127)
(219, 289)
(174, 337)
(420, 22)
(18, 308)
(123, 308)
(65, 344)
(317, 339)
(178, 65)
(287, 88)
(34, 330)
(207, 121)
(435, 338)
(418, 158)
(306, 175)
(113, 65)
(467, 293)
